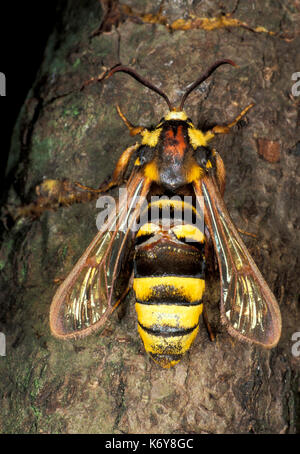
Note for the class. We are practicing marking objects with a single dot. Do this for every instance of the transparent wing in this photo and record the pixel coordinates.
(249, 309)
(99, 280)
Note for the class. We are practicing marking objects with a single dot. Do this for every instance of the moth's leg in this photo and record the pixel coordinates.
(220, 168)
(54, 193)
(244, 232)
(221, 175)
(208, 326)
(118, 174)
(220, 171)
(123, 307)
(134, 130)
(122, 164)
(226, 129)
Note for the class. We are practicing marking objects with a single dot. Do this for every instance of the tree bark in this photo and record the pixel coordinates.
(106, 383)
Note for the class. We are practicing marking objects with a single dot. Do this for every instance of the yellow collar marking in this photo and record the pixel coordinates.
(176, 116)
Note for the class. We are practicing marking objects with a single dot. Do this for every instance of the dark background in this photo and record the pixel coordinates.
(24, 30)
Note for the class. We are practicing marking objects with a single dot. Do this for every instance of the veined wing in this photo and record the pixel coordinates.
(99, 280)
(249, 309)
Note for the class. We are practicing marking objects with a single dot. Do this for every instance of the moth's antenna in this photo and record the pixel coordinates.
(203, 77)
(136, 76)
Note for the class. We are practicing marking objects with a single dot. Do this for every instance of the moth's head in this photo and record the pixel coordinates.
(173, 164)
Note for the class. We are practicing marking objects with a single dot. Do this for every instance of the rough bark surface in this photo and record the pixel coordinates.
(106, 383)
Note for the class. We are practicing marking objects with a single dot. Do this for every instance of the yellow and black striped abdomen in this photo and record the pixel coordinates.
(168, 284)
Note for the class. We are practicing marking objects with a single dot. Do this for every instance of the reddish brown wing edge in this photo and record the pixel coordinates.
(136, 182)
(213, 205)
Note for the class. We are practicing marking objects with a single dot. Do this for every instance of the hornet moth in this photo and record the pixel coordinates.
(166, 265)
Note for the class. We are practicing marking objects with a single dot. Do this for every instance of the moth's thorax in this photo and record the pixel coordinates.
(174, 153)
(170, 151)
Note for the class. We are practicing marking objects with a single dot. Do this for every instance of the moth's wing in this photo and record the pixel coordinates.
(249, 309)
(99, 280)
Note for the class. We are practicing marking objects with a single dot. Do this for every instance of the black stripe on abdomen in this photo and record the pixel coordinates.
(167, 258)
